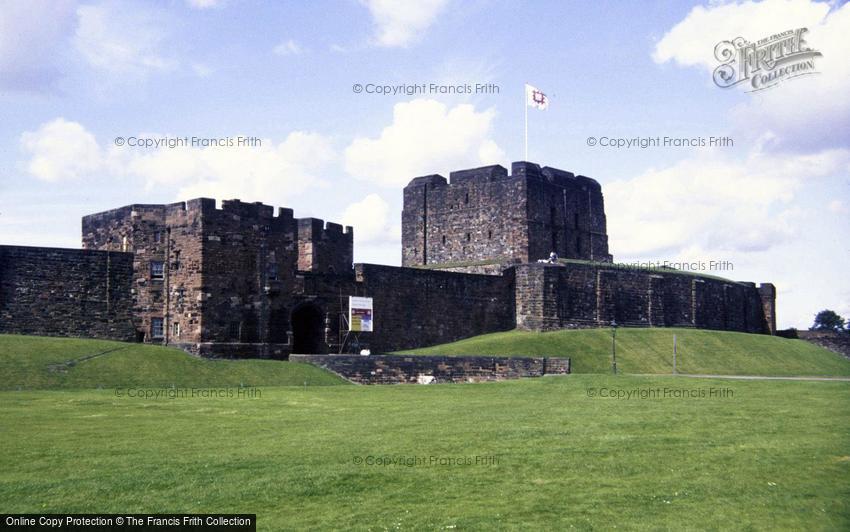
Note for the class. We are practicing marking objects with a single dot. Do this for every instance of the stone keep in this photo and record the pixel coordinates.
(483, 219)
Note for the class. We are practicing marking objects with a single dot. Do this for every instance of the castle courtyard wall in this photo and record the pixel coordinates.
(418, 307)
(66, 292)
(578, 295)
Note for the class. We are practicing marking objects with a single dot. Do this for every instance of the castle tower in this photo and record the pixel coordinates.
(218, 275)
(483, 216)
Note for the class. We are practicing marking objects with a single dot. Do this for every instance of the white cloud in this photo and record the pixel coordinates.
(271, 173)
(713, 203)
(756, 211)
(401, 22)
(805, 114)
(425, 137)
(372, 220)
(691, 42)
(32, 33)
(115, 38)
(288, 47)
(61, 150)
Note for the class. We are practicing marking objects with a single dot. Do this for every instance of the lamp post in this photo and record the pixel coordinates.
(614, 344)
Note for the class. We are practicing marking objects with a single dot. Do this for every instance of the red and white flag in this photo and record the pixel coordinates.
(534, 97)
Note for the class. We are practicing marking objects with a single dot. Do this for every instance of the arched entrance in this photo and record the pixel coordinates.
(308, 326)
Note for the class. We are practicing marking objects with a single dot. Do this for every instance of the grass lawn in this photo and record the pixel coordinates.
(33, 362)
(641, 350)
(768, 455)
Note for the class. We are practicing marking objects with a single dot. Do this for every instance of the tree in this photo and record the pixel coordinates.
(828, 320)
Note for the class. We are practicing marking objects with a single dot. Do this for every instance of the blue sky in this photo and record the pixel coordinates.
(74, 75)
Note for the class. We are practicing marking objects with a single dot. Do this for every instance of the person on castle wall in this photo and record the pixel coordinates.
(553, 259)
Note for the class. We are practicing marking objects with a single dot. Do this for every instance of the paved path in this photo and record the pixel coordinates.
(747, 377)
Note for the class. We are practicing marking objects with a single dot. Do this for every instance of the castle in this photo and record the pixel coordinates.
(245, 281)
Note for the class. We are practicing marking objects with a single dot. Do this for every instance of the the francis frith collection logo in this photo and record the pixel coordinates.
(765, 63)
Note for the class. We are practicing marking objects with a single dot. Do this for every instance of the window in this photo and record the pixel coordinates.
(444, 239)
(157, 237)
(468, 237)
(157, 330)
(466, 198)
(272, 271)
(175, 330)
(157, 270)
(175, 264)
(234, 330)
(490, 235)
(575, 220)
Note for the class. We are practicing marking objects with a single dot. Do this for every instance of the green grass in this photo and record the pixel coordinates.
(651, 351)
(33, 362)
(770, 455)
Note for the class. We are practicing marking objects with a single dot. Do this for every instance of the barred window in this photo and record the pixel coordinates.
(157, 329)
(157, 269)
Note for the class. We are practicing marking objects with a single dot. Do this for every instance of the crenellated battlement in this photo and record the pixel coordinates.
(487, 214)
(237, 210)
(317, 228)
(478, 175)
(324, 247)
(519, 170)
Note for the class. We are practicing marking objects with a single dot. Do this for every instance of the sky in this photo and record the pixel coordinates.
(772, 206)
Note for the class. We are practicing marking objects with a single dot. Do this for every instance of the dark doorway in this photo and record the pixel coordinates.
(307, 329)
(278, 326)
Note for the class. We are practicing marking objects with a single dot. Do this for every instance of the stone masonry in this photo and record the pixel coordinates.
(247, 280)
(401, 369)
(486, 215)
(66, 292)
(224, 277)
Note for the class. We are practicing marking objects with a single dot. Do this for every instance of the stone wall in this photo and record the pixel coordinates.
(415, 307)
(401, 369)
(484, 214)
(66, 292)
(324, 248)
(249, 267)
(480, 215)
(566, 214)
(221, 281)
(576, 295)
(167, 244)
(837, 342)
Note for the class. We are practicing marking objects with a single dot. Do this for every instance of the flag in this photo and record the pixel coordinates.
(534, 97)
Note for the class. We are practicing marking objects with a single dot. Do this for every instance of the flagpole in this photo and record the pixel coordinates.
(525, 106)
